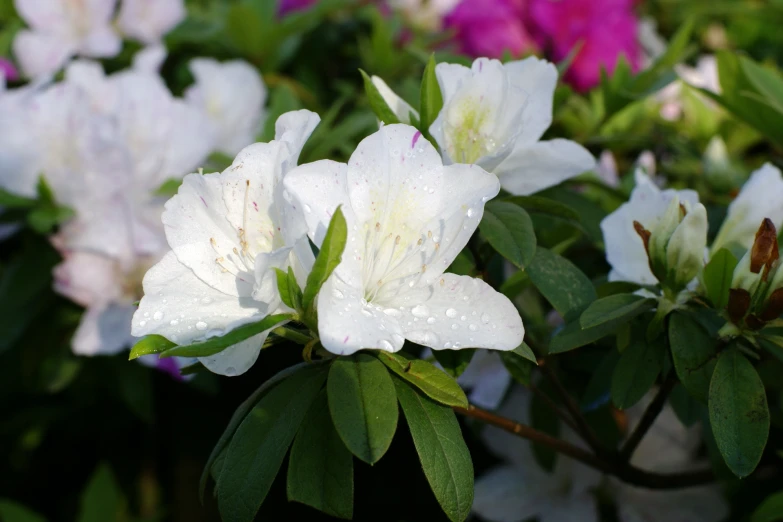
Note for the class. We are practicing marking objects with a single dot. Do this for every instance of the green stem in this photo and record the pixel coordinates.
(291, 335)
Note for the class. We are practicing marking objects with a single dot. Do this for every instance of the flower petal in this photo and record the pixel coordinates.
(40, 54)
(538, 79)
(463, 312)
(293, 128)
(450, 78)
(486, 378)
(346, 323)
(399, 107)
(103, 330)
(582, 507)
(149, 20)
(236, 359)
(510, 494)
(184, 309)
(704, 504)
(542, 165)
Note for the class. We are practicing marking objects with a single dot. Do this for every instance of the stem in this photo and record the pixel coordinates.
(648, 418)
(582, 428)
(622, 470)
(291, 335)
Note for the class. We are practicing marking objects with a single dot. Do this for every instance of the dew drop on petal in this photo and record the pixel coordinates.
(451, 312)
(485, 318)
(454, 326)
(447, 344)
(338, 294)
(420, 311)
(157, 315)
(471, 212)
(366, 312)
(473, 327)
(201, 325)
(174, 322)
(431, 320)
(392, 312)
(386, 345)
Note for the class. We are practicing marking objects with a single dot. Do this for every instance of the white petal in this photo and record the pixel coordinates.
(236, 359)
(189, 142)
(486, 378)
(346, 323)
(203, 239)
(101, 42)
(40, 54)
(463, 312)
(578, 508)
(87, 278)
(149, 20)
(538, 79)
(182, 308)
(702, 504)
(528, 170)
(509, 494)
(293, 128)
(450, 78)
(103, 330)
(265, 289)
(150, 59)
(508, 446)
(399, 107)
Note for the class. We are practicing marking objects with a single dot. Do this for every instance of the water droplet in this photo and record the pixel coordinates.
(462, 318)
(307, 209)
(392, 312)
(457, 344)
(174, 322)
(471, 212)
(386, 345)
(473, 327)
(146, 314)
(201, 325)
(366, 312)
(447, 344)
(420, 311)
(431, 320)
(451, 312)
(157, 315)
(430, 338)
(338, 294)
(454, 326)
(142, 323)
(206, 300)
(484, 318)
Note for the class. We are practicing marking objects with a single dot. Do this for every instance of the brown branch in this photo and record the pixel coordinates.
(648, 417)
(621, 470)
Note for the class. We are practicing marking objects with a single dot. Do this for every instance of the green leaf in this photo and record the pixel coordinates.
(767, 82)
(573, 336)
(377, 103)
(150, 344)
(245, 29)
(618, 307)
(717, 277)
(547, 206)
(431, 97)
(320, 468)
(694, 353)
(771, 510)
(524, 351)
(598, 389)
(10, 200)
(215, 345)
(363, 405)
(11, 511)
(329, 257)
(294, 292)
(442, 451)
(739, 415)
(636, 372)
(168, 188)
(687, 409)
(259, 445)
(436, 384)
(240, 414)
(282, 288)
(509, 230)
(518, 366)
(566, 287)
(454, 362)
(102, 498)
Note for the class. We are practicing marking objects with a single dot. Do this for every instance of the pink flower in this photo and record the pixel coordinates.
(8, 70)
(289, 6)
(606, 28)
(490, 28)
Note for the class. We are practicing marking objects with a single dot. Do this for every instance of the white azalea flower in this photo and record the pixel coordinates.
(399, 107)
(227, 231)
(60, 29)
(408, 217)
(232, 94)
(494, 116)
(648, 205)
(520, 489)
(149, 20)
(761, 197)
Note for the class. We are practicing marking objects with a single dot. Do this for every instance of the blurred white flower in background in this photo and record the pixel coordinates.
(148, 20)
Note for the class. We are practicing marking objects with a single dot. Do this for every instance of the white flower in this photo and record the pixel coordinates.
(494, 116)
(704, 75)
(232, 94)
(60, 29)
(520, 489)
(399, 107)
(761, 197)
(408, 217)
(625, 249)
(149, 20)
(227, 231)
(424, 14)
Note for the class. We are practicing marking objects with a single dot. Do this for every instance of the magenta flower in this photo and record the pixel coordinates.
(606, 29)
(288, 6)
(8, 70)
(490, 28)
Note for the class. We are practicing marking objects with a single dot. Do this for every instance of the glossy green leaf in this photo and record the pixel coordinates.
(717, 277)
(771, 510)
(636, 372)
(11, 511)
(544, 420)
(739, 415)
(329, 257)
(377, 103)
(519, 367)
(363, 405)
(566, 287)
(766, 81)
(687, 409)
(454, 362)
(443, 454)
(435, 383)
(598, 389)
(547, 206)
(573, 336)
(215, 345)
(431, 97)
(694, 354)
(10, 200)
(240, 414)
(618, 307)
(282, 288)
(259, 445)
(150, 344)
(168, 188)
(509, 230)
(524, 351)
(102, 498)
(320, 468)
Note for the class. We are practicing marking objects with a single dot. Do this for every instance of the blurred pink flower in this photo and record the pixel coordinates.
(8, 70)
(606, 28)
(288, 6)
(490, 27)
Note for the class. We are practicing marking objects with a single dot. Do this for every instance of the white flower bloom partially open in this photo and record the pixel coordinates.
(761, 197)
(227, 231)
(149, 20)
(408, 217)
(399, 107)
(494, 115)
(625, 249)
(60, 29)
(232, 94)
